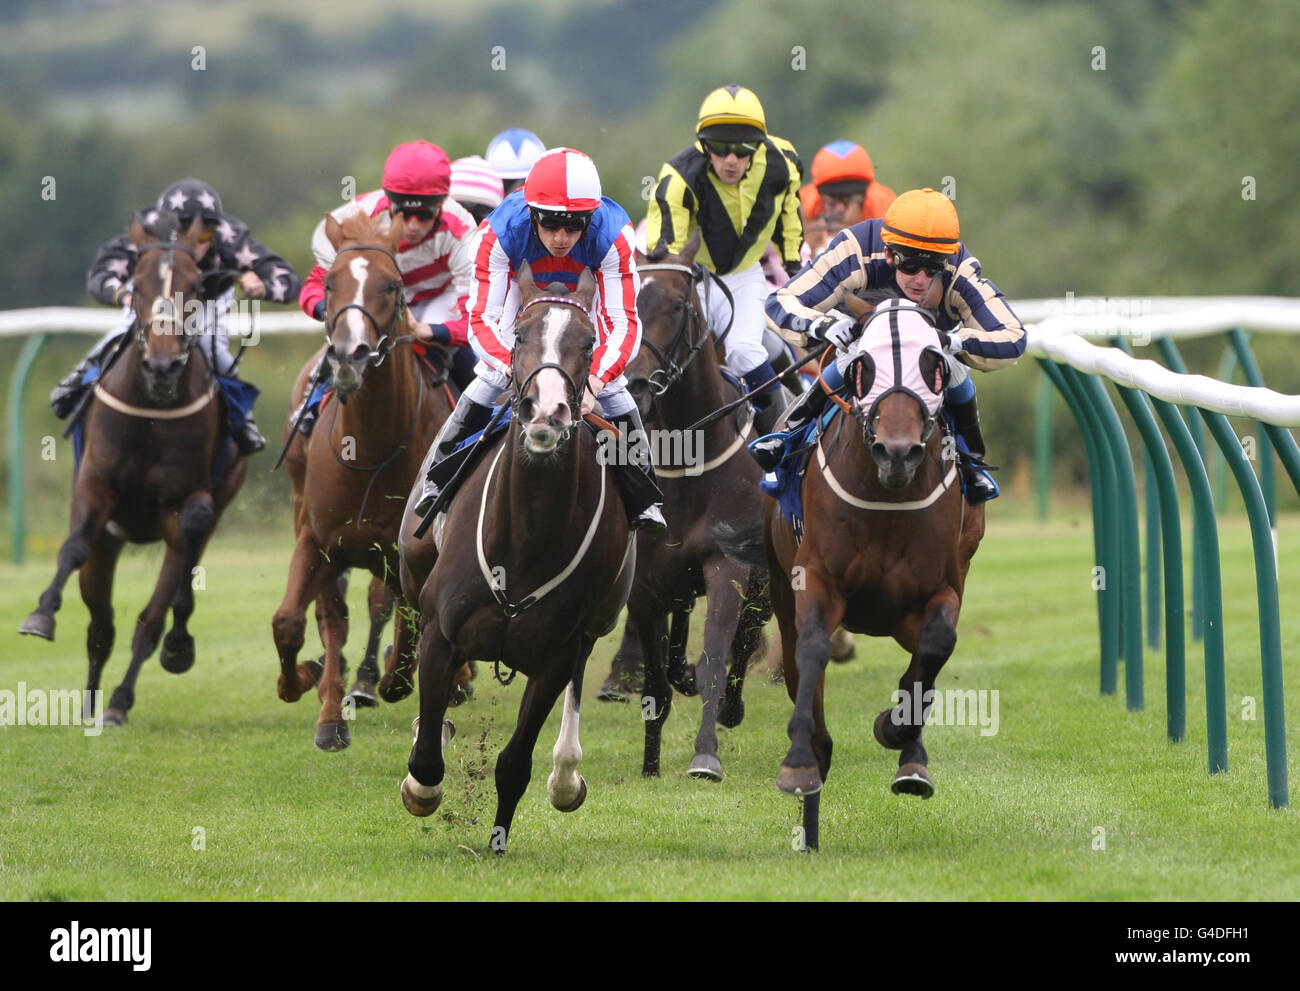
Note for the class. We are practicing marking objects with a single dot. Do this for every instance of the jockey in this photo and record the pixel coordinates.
(559, 224)
(432, 257)
(739, 186)
(843, 192)
(476, 186)
(512, 153)
(916, 250)
(227, 255)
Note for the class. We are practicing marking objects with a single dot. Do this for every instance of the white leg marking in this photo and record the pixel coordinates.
(563, 785)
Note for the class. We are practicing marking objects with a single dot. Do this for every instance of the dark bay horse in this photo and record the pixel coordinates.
(153, 438)
(887, 544)
(712, 503)
(351, 476)
(531, 565)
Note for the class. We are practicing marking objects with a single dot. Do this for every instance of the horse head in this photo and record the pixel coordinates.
(897, 373)
(673, 328)
(167, 303)
(364, 298)
(554, 340)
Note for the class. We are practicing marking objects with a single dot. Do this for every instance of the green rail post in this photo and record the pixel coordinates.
(1207, 532)
(17, 442)
(1169, 351)
(1099, 478)
(1263, 448)
(1219, 473)
(1287, 450)
(1151, 487)
(1043, 448)
(1270, 635)
(1130, 548)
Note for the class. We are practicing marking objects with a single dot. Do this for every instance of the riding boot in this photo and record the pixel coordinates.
(783, 365)
(767, 415)
(769, 450)
(467, 419)
(306, 418)
(248, 438)
(975, 473)
(642, 497)
(66, 394)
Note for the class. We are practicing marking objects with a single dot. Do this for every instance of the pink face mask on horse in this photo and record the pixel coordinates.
(887, 357)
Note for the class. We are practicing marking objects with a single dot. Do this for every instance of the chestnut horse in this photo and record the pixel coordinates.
(351, 475)
(888, 541)
(531, 564)
(153, 438)
(711, 501)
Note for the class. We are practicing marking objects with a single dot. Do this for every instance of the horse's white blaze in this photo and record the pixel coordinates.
(563, 785)
(353, 319)
(552, 391)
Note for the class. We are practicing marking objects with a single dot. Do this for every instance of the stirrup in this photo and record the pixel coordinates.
(770, 449)
(651, 520)
(429, 495)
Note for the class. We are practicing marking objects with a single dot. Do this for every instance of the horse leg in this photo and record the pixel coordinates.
(332, 733)
(309, 573)
(90, 511)
(96, 580)
(148, 630)
(399, 662)
(380, 603)
(900, 727)
(627, 670)
(515, 763)
(657, 693)
(566, 788)
(755, 611)
(723, 589)
(680, 674)
(817, 612)
(197, 520)
(422, 786)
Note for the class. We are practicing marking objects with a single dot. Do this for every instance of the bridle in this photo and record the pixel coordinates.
(519, 390)
(386, 341)
(853, 374)
(141, 327)
(691, 335)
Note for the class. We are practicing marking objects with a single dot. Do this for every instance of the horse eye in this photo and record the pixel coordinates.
(394, 286)
(329, 285)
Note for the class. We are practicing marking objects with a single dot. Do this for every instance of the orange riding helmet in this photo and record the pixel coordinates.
(923, 219)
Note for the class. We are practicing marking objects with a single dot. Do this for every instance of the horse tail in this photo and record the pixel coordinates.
(744, 546)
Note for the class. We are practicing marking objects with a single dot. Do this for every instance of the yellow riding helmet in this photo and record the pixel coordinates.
(923, 219)
(731, 113)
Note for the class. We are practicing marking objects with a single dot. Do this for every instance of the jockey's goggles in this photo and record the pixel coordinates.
(741, 149)
(186, 219)
(575, 223)
(418, 212)
(910, 260)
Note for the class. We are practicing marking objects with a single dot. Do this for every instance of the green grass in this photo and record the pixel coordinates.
(1014, 816)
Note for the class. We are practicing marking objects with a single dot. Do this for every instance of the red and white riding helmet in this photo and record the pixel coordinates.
(416, 172)
(563, 180)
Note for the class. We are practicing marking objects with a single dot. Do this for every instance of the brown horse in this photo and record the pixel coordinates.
(532, 563)
(711, 501)
(152, 440)
(350, 477)
(885, 551)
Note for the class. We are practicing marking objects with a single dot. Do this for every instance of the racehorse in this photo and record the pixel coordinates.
(888, 542)
(156, 465)
(711, 501)
(532, 564)
(351, 475)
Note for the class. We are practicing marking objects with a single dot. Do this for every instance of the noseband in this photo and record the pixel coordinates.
(141, 328)
(671, 367)
(386, 342)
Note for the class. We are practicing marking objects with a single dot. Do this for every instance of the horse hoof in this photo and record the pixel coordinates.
(114, 717)
(886, 730)
(460, 694)
(332, 737)
(731, 714)
(302, 680)
(913, 779)
(576, 804)
(611, 691)
(706, 767)
(799, 780)
(686, 683)
(362, 694)
(177, 654)
(38, 625)
(843, 647)
(393, 689)
(419, 800)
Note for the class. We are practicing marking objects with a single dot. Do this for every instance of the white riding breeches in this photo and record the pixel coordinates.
(744, 341)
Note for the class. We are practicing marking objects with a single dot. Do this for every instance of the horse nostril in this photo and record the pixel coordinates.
(175, 366)
(527, 407)
(914, 456)
(361, 352)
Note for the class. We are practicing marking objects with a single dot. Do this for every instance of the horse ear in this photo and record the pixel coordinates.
(190, 236)
(138, 234)
(527, 287)
(861, 374)
(333, 231)
(692, 246)
(586, 287)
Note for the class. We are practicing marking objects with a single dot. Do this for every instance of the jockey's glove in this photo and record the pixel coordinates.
(319, 312)
(837, 330)
(952, 343)
(793, 268)
(441, 335)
